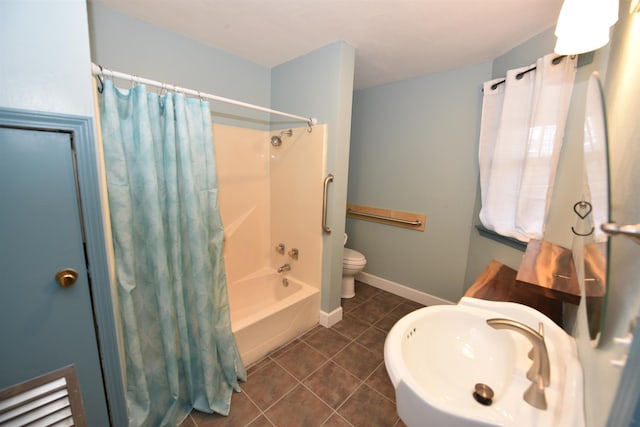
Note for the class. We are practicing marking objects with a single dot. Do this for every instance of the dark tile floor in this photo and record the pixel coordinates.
(326, 377)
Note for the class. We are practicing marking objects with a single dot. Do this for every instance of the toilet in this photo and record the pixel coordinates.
(353, 262)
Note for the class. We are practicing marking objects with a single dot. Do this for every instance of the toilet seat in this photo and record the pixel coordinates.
(352, 257)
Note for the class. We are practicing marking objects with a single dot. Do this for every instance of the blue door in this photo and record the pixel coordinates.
(45, 322)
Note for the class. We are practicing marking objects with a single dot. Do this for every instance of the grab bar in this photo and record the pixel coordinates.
(416, 222)
(327, 180)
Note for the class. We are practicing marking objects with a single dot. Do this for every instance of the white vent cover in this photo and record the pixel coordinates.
(50, 400)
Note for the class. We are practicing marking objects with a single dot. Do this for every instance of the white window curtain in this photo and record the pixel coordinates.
(523, 120)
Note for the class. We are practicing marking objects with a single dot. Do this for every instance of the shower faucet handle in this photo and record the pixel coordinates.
(293, 253)
(280, 248)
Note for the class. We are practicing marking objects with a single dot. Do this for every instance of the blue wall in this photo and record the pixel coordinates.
(413, 149)
(43, 68)
(320, 84)
(46, 69)
(125, 44)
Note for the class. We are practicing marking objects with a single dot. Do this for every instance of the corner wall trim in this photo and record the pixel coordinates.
(329, 319)
(401, 290)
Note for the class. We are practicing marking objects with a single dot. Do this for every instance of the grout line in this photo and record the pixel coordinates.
(374, 389)
(309, 374)
(255, 418)
(268, 420)
(257, 406)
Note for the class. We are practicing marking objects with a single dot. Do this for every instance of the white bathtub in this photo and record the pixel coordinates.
(266, 314)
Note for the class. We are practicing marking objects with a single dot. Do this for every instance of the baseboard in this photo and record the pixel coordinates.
(329, 319)
(401, 290)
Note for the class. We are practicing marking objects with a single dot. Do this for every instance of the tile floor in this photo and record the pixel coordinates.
(326, 377)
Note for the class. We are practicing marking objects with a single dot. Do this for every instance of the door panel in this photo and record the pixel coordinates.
(44, 326)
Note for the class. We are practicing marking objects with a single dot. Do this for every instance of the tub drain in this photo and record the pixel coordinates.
(483, 394)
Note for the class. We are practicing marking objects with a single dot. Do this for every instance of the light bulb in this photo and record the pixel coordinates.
(583, 25)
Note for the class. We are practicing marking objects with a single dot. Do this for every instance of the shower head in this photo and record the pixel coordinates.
(276, 141)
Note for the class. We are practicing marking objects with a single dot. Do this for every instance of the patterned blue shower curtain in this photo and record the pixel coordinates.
(167, 238)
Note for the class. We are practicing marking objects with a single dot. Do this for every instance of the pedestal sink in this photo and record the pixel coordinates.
(437, 355)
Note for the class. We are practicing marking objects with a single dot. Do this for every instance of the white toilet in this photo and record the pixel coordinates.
(353, 262)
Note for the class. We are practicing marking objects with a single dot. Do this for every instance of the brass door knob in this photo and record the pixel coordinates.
(66, 277)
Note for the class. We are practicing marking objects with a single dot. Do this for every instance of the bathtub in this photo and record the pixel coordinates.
(267, 313)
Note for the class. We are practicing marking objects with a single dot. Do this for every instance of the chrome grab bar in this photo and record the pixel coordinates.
(416, 222)
(325, 192)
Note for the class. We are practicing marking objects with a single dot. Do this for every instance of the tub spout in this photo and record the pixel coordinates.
(283, 268)
(539, 372)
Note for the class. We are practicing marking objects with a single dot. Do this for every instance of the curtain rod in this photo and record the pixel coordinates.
(554, 61)
(101, 72)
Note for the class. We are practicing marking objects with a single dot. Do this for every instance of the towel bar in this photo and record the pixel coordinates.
(416, 222)
(409, 220)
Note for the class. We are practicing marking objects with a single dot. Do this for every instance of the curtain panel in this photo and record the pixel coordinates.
(179, 349)
(521, 135)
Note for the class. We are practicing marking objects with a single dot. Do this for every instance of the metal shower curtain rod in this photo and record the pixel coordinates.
(101, 72)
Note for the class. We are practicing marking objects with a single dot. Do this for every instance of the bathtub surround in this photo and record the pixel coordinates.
(167, 240)
(270, 201)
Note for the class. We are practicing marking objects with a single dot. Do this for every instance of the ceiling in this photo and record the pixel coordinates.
(394, 39)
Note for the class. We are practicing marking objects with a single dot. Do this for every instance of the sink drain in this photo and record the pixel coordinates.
(483, 394)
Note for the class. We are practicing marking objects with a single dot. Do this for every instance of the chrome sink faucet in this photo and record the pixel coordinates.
(539, 372)
(283, 268)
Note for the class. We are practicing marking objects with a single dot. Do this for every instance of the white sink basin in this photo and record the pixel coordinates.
(436, 355)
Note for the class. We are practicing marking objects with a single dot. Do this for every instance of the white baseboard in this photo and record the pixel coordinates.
(401, 290)
(329, 319)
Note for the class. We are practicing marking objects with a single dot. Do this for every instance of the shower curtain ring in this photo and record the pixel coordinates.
(163, 92)
(309, 126)
(100, 79)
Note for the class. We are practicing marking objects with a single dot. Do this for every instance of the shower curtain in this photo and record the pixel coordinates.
(162, 187)
(521, 134)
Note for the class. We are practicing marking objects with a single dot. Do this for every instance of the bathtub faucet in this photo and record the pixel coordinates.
(284, 268)
(539, 371)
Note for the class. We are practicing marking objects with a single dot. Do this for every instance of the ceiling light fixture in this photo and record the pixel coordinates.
(583, 25)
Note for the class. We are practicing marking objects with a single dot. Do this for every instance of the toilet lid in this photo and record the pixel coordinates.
(353, 256)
